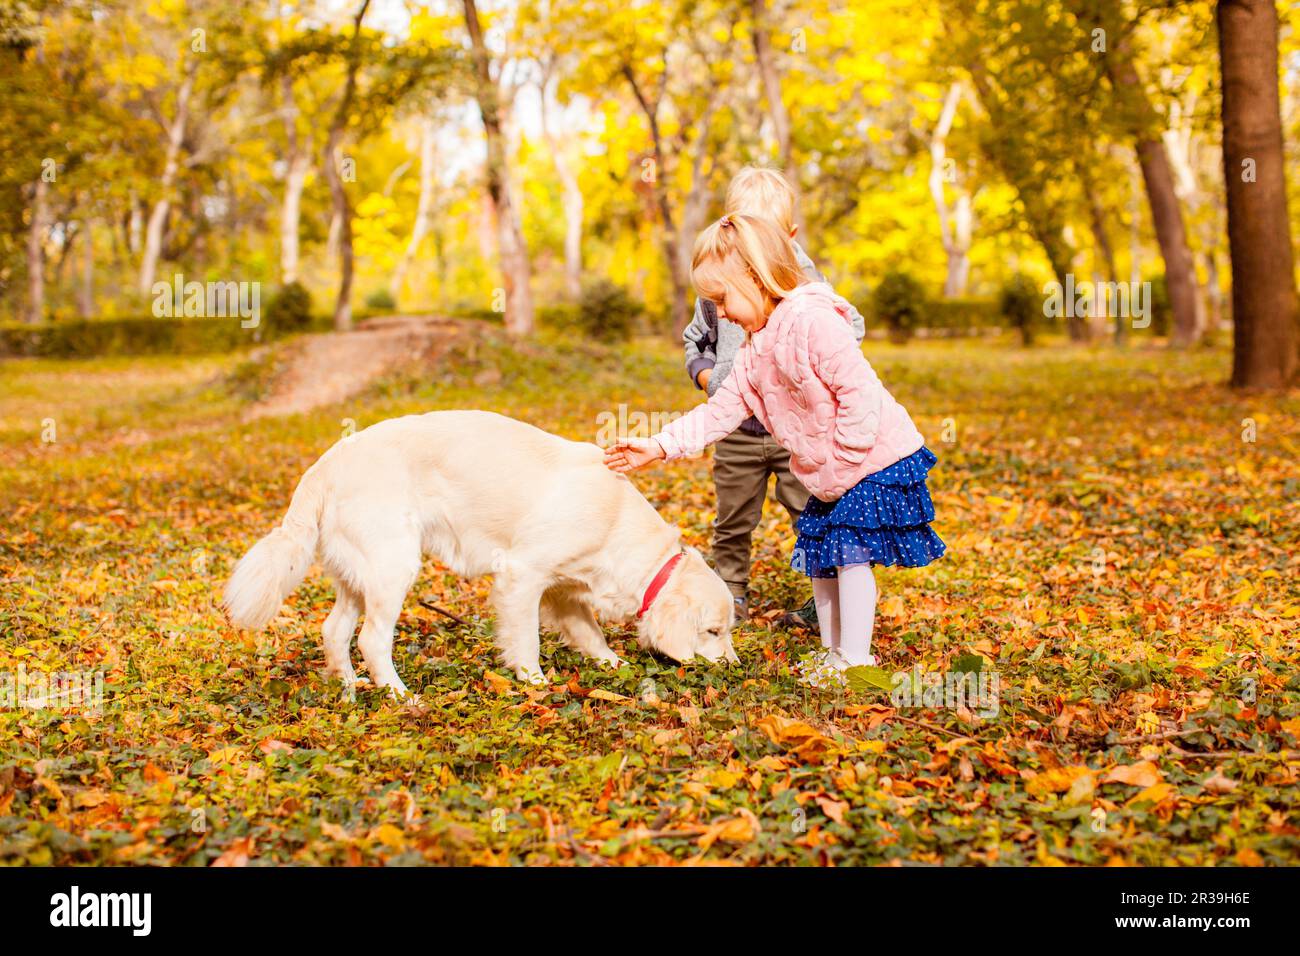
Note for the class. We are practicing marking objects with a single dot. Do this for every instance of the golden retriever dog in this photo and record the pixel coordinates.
(564, 538)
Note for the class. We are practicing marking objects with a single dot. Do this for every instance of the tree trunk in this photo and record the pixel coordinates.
(342, 209)
(86, 293)
(776, 110)
(1167, 217)
(515, 267)
(1044, 219)
(35, 311)
(298, 162)
(1265, 319)
(134, 224)
(153, 235)
(571, 197)
(1166, 212)
(680, 307)
(1105, 251)
(423, 210)
(954, 225)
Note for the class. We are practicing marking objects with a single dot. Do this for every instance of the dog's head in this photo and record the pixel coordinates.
(693, 614)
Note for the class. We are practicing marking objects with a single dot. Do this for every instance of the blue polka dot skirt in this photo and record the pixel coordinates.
(883, 519)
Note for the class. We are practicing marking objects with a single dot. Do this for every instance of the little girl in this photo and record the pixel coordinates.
(801, 373)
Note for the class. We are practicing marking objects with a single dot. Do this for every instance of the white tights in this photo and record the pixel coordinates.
(846, 611)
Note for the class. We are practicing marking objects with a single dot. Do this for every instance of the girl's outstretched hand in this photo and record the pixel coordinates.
(629, 454)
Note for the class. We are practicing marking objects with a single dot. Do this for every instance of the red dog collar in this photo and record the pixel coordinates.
(658, 583)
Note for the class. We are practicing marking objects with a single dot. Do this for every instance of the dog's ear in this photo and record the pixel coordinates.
(670, 626)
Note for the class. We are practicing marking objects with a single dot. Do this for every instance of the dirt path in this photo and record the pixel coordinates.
(332, 367)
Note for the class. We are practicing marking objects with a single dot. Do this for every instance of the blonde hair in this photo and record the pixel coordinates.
(741, 243)
(761, 191)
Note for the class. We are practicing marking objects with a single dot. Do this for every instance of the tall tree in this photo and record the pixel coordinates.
(423, 209)
(956, 219)
(174, 132)
(36, 250)
(297, 164)
(570, 190)
(770, 74)
(331, 163)
(515, 266)
(1265, 314)
(1146, 126)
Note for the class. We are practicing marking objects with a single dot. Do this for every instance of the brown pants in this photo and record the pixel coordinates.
(741, 466)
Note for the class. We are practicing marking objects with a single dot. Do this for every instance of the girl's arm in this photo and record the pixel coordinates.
(704, 424)
(698, 428)
(839, 363)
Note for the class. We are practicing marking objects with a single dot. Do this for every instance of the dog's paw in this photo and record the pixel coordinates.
(399, 691)
(613, 662)
(531, 675)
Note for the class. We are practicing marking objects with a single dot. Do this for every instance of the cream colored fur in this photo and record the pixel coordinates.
(564, 539)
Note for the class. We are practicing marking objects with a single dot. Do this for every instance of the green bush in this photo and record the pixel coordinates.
(288, 311)
(899, 302)
(605, 311)
(138, 336)
(381, 300)
(961, 315)
(1021, 303)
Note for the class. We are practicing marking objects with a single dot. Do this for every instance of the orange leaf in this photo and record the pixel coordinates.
(1055, 781)
(237, 855)
(1144, 774)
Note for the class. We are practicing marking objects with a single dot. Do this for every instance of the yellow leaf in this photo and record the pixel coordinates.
(806, 741)
(893, 606)
(389, 835)
(724, 779)
(1144, 774)
(1045, 857)
(739, 829)
(835, 809)
(1057, 780)
(1154, 794)
(499, 684)
(600, 694)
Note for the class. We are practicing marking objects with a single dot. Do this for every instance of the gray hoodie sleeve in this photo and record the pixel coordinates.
(701, 340)
(810, 270)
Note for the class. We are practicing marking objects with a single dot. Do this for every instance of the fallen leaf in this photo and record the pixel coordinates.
(1144, 774)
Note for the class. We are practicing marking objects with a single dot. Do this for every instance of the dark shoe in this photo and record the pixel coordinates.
(742, 608)
(805, 617)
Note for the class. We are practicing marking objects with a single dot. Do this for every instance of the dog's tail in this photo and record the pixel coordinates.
(276, 565)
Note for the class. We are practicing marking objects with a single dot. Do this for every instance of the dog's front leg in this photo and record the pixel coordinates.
(516, 597)
(578, 627)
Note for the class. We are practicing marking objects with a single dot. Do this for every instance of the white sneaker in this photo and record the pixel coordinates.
(823, 669)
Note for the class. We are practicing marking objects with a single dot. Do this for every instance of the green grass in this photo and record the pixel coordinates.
(1119, 556)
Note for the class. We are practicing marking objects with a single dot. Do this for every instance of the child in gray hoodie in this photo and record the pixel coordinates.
(743, 461)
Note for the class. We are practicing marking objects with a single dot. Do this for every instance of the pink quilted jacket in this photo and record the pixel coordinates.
(806, 380)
